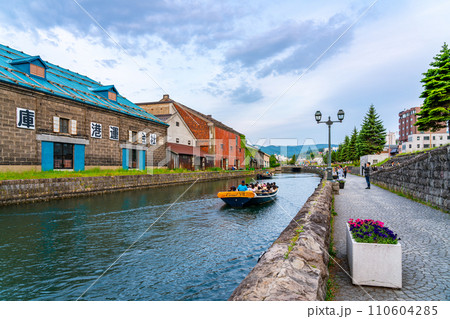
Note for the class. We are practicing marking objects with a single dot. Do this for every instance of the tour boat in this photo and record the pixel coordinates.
(264, 176)
(239, 199)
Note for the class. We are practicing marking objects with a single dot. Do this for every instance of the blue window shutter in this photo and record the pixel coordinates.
(125, 158)
(141, 160)
(46, 156)
(78, 157)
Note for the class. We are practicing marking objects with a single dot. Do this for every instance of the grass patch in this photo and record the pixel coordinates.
(33, 174)
(411, 197)
(382, 162)
(293, 241)
(331, 282)
(420, 151)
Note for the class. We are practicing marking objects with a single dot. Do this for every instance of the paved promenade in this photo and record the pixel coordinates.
(424, 234)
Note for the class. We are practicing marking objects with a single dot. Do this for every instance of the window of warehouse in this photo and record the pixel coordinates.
(37, 70)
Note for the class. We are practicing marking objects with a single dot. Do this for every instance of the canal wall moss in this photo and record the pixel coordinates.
(295, 267)
(30, 190)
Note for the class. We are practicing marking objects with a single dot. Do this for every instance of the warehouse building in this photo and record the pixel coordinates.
(52, 118)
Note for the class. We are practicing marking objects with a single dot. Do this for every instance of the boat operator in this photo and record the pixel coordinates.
(242, 187)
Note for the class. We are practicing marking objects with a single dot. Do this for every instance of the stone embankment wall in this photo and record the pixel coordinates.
(29, 190)
(355, 170)
(425, 176)
(295, 267)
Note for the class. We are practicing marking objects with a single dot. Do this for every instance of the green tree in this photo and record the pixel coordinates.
(435, 112)
(339, 153)
(325, 157)
(312, 156)
(372, 137)
(352, 149)
(333, 156)
(345, 156)
(293, 160)
(273, 161)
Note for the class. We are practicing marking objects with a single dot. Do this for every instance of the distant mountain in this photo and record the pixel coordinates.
(291, 150)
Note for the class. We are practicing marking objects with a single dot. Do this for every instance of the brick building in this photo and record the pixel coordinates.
(406, 121)
(53, 118)
(219, 145)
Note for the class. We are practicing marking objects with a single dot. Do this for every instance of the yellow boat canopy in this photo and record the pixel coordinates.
(247, 194)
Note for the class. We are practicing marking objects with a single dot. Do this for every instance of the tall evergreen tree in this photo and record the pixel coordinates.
(325, 157)
(339, 153)
(333, 156)
(372, 137)
(435, 112)
(293, 160)
(345, 156)
(352, 149)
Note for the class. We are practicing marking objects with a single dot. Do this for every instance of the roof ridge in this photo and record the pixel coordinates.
(210, 118)
(67, 84)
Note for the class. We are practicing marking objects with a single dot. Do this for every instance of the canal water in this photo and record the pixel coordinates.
(200, 249)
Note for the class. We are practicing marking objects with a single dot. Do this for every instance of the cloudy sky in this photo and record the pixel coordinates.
(261, 67)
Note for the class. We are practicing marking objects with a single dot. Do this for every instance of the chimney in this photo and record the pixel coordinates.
(165, 97)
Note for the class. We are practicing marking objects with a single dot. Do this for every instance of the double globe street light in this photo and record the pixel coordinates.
(340, 116)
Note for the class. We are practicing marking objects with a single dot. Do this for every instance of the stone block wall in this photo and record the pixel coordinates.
(425, 176)
(295, 267)
(30, 190)
(20, 147)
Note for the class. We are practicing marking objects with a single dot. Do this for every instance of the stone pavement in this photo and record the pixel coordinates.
(424, 234)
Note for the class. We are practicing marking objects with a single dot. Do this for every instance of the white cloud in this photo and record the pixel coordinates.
(380, 63)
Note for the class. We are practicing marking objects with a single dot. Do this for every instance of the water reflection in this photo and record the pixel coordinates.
(199, 250)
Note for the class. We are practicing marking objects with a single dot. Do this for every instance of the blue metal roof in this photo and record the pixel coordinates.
(28, 60)
(105, 88)
(65, 83)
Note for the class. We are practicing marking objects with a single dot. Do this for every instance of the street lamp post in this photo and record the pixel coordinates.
(340, 116)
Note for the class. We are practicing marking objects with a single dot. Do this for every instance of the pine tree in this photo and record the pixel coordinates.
(352, 149)
(338, 154)
(293, 160)
(325, 157)
(333, 156)
(435, 112)
(372, 137)
(345, 156)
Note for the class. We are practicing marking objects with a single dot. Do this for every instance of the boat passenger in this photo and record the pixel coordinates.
(232, 189)
(242, 187)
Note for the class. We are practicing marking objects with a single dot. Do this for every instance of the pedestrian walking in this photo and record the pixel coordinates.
(340, 172)
(345, 171)
(367, 174)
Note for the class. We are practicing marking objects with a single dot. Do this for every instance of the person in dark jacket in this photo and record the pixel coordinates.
(367, 174)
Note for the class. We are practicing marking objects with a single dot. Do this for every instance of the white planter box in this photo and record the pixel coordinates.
(374, 264)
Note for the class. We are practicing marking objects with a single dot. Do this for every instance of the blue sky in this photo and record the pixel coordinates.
(243, 61)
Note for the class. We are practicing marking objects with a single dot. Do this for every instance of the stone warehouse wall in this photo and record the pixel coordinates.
(20, 146)
(295, 267)
(30, 190)
(425, 176)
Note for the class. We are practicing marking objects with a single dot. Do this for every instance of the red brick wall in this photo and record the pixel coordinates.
(404, 124)
(230, 150)
(198, 127)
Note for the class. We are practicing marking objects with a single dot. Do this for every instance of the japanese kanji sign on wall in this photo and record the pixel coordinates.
(25, 118)
(152, 139)
(96, 130)
(114, 133)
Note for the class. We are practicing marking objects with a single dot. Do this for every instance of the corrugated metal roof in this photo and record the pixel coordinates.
(65, 83)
